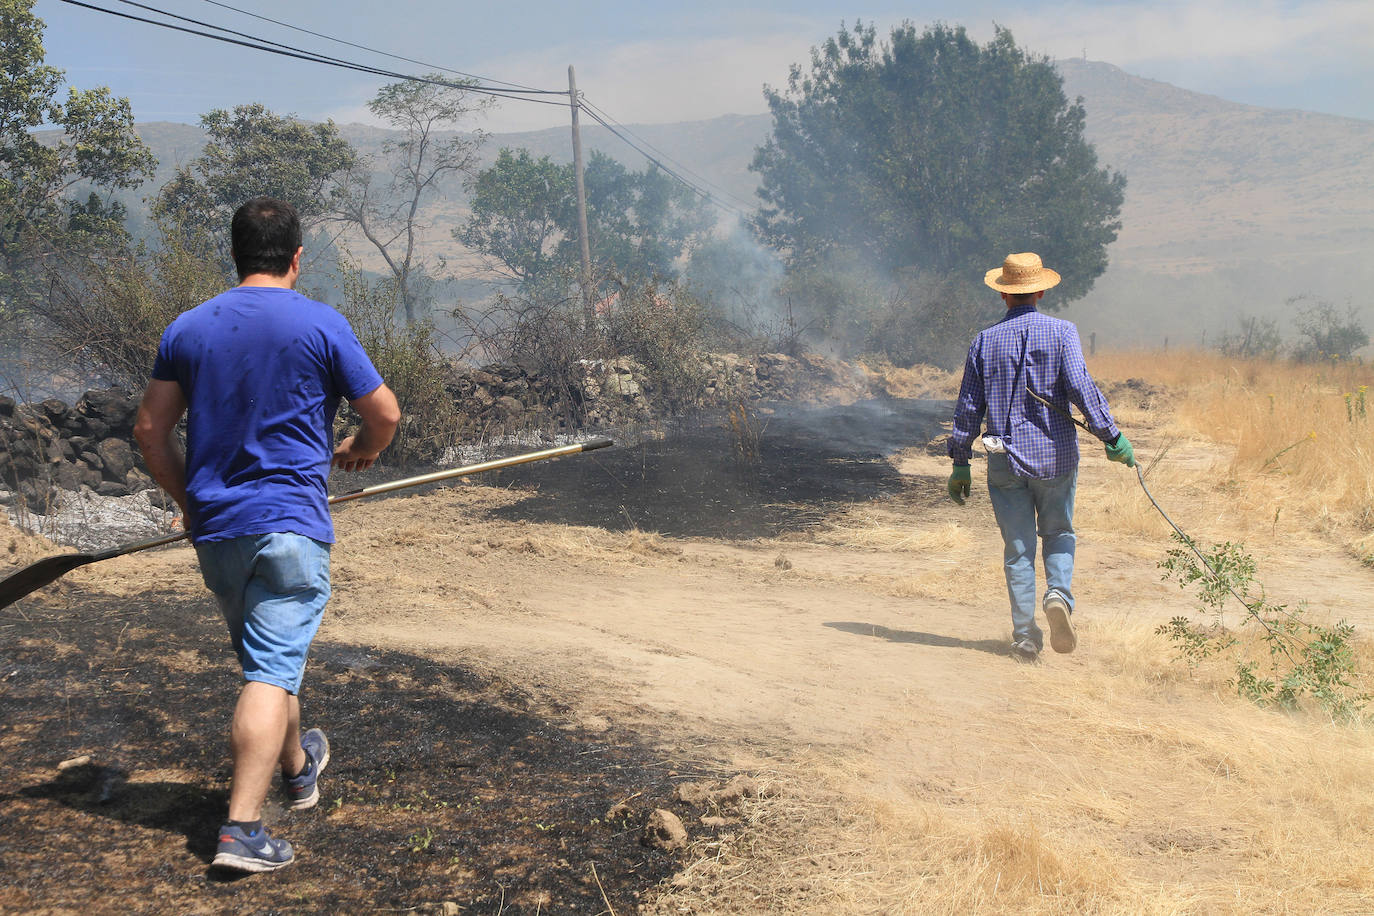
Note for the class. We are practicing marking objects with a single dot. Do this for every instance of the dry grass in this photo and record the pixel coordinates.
(916, 381)
(1138, 785)
(1298, 439)
(1115, 780)
(873, 528)
(1140, 794)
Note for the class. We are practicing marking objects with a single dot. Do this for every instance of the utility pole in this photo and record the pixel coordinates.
(588, 309)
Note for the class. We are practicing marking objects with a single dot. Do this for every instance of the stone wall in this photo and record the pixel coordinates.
(603, 393)
(49, 445)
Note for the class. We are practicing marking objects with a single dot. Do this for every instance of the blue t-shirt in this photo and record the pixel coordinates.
(262, 370)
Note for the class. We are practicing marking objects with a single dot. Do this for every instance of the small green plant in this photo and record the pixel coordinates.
(420, 841)
(1195, 643)
(1304, 659)
(408, 357)
(1310, 437)
(1325, 333)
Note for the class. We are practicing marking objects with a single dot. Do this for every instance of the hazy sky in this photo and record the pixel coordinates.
(647, 62)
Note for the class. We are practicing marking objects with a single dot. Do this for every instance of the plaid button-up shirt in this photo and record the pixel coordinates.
(1028, 349)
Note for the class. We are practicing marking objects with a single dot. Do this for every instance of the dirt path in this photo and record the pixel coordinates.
(863, 665)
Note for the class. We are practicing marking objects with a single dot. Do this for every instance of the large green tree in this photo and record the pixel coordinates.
(250, 152)
(929, 153)
(524, 219)
(55, 187)
(521, 207)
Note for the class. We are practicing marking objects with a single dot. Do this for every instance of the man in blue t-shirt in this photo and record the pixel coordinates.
(259, 371)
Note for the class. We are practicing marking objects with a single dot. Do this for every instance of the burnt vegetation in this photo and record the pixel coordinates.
(446, 785)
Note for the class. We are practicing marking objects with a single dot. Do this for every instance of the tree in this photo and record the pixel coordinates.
(251, 152)
(1323, 332)
(931, 154)
(640, 222)
(524, 219)
(520, 208)
(410, 360)
(388, 213)
(42, 207)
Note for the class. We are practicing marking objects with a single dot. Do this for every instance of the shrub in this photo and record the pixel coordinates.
(1325, 333)
(409, 359)
(1258, 338)
(1300, 659)
(658, 324)
(107, 313)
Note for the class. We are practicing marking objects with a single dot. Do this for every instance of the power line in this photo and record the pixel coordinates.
(521, 93)
(260, 44)
(350, 44)
(153, 9)
(699, 177)
(704, 194)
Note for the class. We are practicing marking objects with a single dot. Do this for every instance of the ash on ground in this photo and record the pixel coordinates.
(87, 521)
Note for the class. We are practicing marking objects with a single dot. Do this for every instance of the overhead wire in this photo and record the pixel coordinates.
(228, 31)
(587, 104)
(261, 44)
(596, 112)
(409, 60)
(702, 192)
(510, 91)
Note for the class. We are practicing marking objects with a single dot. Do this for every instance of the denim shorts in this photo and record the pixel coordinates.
(272, 589)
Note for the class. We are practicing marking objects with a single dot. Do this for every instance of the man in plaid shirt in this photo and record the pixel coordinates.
(1032, 450)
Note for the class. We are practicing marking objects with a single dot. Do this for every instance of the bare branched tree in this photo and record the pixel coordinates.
(385, 204)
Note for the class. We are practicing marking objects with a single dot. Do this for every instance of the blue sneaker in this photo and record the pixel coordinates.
(303, 791)
(255, 852)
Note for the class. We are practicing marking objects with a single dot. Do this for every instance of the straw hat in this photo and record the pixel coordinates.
(1021, 273)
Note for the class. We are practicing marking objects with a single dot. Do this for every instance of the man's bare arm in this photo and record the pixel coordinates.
(381, 415)
(155, 429)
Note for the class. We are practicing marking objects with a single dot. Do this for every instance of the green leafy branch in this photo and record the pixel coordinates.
(1305, 659)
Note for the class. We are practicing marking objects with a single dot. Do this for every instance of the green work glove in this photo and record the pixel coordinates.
(1121, 451)
(959, 483)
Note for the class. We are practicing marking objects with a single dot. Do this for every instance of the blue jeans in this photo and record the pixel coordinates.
(1026, 507)
(271, 589)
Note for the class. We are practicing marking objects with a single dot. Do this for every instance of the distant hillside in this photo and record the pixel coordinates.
(1229, 208)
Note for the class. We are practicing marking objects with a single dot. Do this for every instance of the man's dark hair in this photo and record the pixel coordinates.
(265, 235)
(1021, 298)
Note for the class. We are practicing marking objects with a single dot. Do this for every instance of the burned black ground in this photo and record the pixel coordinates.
(445, 785)
(700, 480)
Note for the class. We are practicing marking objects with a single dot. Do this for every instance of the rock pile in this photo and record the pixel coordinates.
(601, 393)
(49, 445)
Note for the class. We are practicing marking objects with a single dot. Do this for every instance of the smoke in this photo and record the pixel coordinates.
(740, 279)
(758, 302)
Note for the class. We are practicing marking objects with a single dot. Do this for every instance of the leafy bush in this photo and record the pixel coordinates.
(1304, 659)
(1259, 338)
(107, 313)
(1325, 333)
(409, 360)
(658, 324)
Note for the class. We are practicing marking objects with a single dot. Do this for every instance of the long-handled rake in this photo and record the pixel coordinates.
(50, 569)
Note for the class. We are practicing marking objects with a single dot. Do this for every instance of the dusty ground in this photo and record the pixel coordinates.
(856, 667)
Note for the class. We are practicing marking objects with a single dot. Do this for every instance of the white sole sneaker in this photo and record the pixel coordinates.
(1062, 637)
